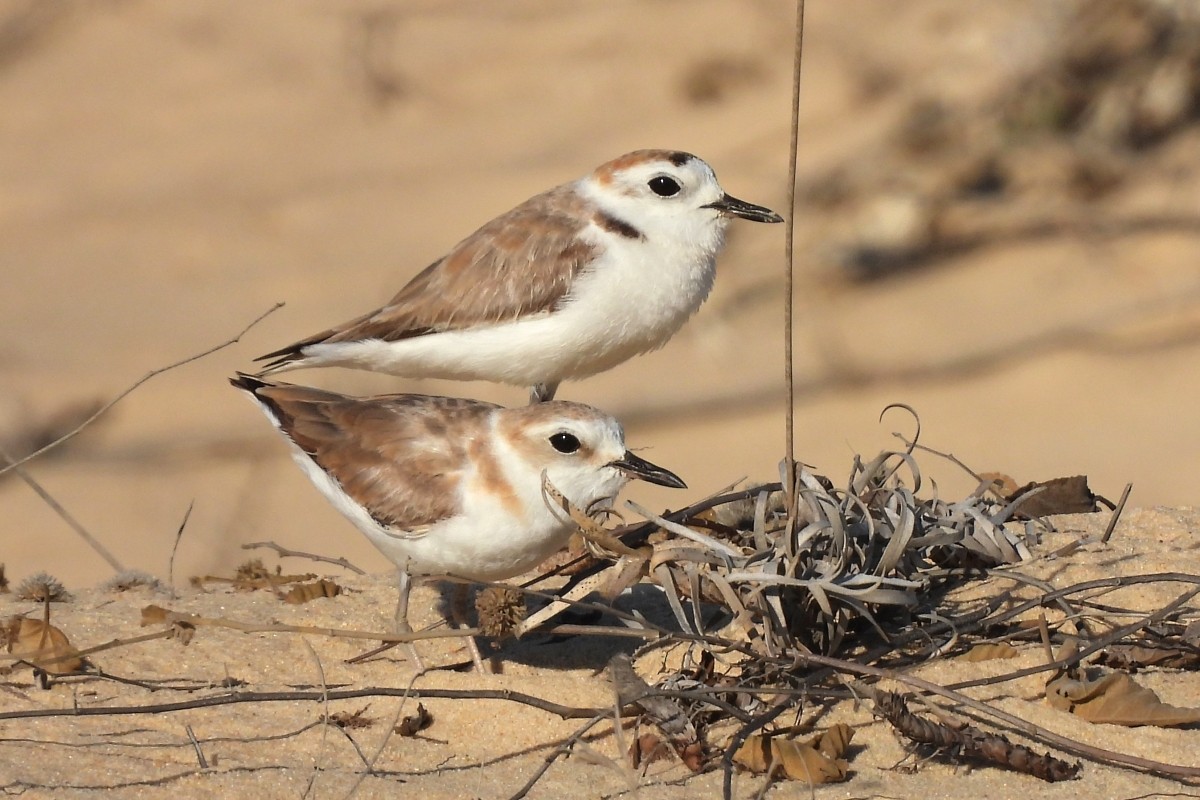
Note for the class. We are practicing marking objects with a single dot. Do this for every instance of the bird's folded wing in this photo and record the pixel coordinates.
(519, 264)
(398, 457)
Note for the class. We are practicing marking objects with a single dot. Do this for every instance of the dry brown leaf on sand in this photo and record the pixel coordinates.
(1115, 699)
(818, 760)
(665, 712)
(42, 645)
(1133, 657)
(1069, 495)
(413, 724)
(990, 652)
(646, 749)
(303, 592)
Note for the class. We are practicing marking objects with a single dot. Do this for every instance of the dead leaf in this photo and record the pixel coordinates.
(413, 724)
(347, 720)
(1115, 699)
(1001, 485)
(183, 632)
(153, 615)
(43, 645)
(302, 593)
(1056, 496)
(663, 711)
(647, 749)
(990, 652)
(1132, 656)
(818, 760)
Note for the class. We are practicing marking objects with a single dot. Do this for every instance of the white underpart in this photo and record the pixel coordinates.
(630, 300)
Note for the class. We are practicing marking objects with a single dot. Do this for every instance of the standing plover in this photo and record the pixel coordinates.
(451, 486)
(568, 284)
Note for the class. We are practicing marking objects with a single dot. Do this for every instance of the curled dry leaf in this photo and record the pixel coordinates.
(818, 760)
(990, 652)
(1133, 656)
(1115, 699)
(1070, 495)
(413, 724)
(646, 749)
(183, 632)
(154, 615)
(302, 593)
(42, 645)
(665, 712)
(968, 742)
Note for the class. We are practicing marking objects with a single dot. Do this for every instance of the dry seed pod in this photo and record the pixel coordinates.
(500, 610)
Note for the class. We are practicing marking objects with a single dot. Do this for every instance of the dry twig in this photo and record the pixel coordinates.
(104, 409)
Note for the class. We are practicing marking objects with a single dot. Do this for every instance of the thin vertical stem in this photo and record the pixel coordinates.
(790, 434)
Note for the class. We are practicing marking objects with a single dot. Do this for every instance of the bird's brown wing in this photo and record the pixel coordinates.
(401, 456)
(520, 263)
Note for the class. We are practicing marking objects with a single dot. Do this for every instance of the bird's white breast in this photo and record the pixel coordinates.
(637, 294)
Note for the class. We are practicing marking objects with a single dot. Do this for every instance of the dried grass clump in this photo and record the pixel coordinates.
(851, 556)
(131, 579)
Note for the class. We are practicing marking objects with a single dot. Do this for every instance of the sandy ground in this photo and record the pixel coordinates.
(170, 171)
(490, 748)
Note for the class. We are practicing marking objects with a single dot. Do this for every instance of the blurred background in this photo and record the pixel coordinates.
(998, 223)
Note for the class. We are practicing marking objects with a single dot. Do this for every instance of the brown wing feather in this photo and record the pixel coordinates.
(392, 454)
(522, 262)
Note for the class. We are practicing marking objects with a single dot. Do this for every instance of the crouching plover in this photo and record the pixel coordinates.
(452, 486)
(568, 284)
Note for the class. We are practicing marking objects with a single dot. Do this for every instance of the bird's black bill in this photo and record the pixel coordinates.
(636, 467)
(740, 208)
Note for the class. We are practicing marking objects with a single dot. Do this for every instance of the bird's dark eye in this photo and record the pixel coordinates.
(663, 186)
(564, 442)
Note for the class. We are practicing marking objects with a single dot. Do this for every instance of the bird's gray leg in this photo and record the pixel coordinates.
(458, 608)
(404, 584)
(543, 392)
